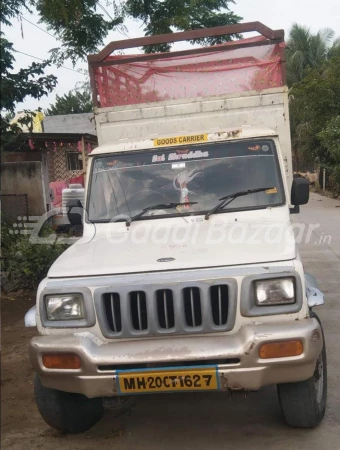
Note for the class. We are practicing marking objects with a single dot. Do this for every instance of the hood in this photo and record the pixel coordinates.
(175, 244)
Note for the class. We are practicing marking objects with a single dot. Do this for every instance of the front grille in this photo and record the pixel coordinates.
(219, 304)
(203, 307)
(165, 308)
(192, 307)
(113, 312)
(138, 310)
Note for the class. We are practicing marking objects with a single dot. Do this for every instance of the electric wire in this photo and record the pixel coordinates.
(40, 59)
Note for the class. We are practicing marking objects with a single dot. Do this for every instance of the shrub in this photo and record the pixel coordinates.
(25, 262)
(334, 180)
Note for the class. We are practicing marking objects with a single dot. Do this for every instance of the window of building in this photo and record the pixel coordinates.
(74, 161)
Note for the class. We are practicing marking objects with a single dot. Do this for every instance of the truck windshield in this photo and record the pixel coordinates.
(125, 184)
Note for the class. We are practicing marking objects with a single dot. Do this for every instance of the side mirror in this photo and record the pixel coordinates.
(300, 192)
(74, 212)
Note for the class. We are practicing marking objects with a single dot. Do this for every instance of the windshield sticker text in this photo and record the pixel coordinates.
(179, 156)
(189, 155)
(180, 165)
(158, 158)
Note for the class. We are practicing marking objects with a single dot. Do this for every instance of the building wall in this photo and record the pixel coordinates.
(70, 123)
(26, 178)
(59, 163)
(22, 156)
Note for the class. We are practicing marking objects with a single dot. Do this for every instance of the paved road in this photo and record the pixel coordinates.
(213, 421)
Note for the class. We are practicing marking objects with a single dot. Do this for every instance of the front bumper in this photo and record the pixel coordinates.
(95, 379)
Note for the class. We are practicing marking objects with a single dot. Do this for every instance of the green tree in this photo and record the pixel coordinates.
(82, 25)
(330, 140)
(306, 50)
(164, 16)
(17, 85)
(314, 113)
(74, 102)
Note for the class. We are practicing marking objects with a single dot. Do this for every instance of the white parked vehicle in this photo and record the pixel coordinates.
(188, 276)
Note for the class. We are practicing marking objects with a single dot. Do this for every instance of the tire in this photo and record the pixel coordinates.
(66, 412)
(303, 404)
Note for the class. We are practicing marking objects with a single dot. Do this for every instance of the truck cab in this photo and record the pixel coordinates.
(187, 277)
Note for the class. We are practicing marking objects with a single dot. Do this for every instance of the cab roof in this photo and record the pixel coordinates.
(228, 134)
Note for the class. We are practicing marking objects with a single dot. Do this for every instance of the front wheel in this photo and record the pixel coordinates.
(303, 404)
(66, 412)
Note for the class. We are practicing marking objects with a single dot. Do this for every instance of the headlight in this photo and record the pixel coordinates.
(278, 291)
(64, 307)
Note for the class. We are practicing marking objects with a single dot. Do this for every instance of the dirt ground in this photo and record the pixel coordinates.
(193, 421)
(21, 424)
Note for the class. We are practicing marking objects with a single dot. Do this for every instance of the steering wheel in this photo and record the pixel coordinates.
(149, 195)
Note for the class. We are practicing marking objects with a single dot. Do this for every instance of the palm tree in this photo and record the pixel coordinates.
(306, 50)
(335, 49)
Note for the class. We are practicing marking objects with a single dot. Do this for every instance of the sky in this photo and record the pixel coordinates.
(276, 15)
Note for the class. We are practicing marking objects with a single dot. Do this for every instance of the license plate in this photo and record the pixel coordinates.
(168, 380)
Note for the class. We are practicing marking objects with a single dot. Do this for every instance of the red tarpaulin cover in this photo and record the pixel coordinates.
(228, 71)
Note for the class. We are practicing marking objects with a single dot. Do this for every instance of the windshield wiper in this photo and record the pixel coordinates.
(229, 198)
(159, 206)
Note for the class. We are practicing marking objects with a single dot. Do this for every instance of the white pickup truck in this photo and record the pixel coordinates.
(187, 276)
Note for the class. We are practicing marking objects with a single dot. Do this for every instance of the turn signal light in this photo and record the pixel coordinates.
(281, 349)
(61, 361)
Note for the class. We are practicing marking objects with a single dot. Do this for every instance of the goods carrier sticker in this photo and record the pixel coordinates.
(180, 140)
